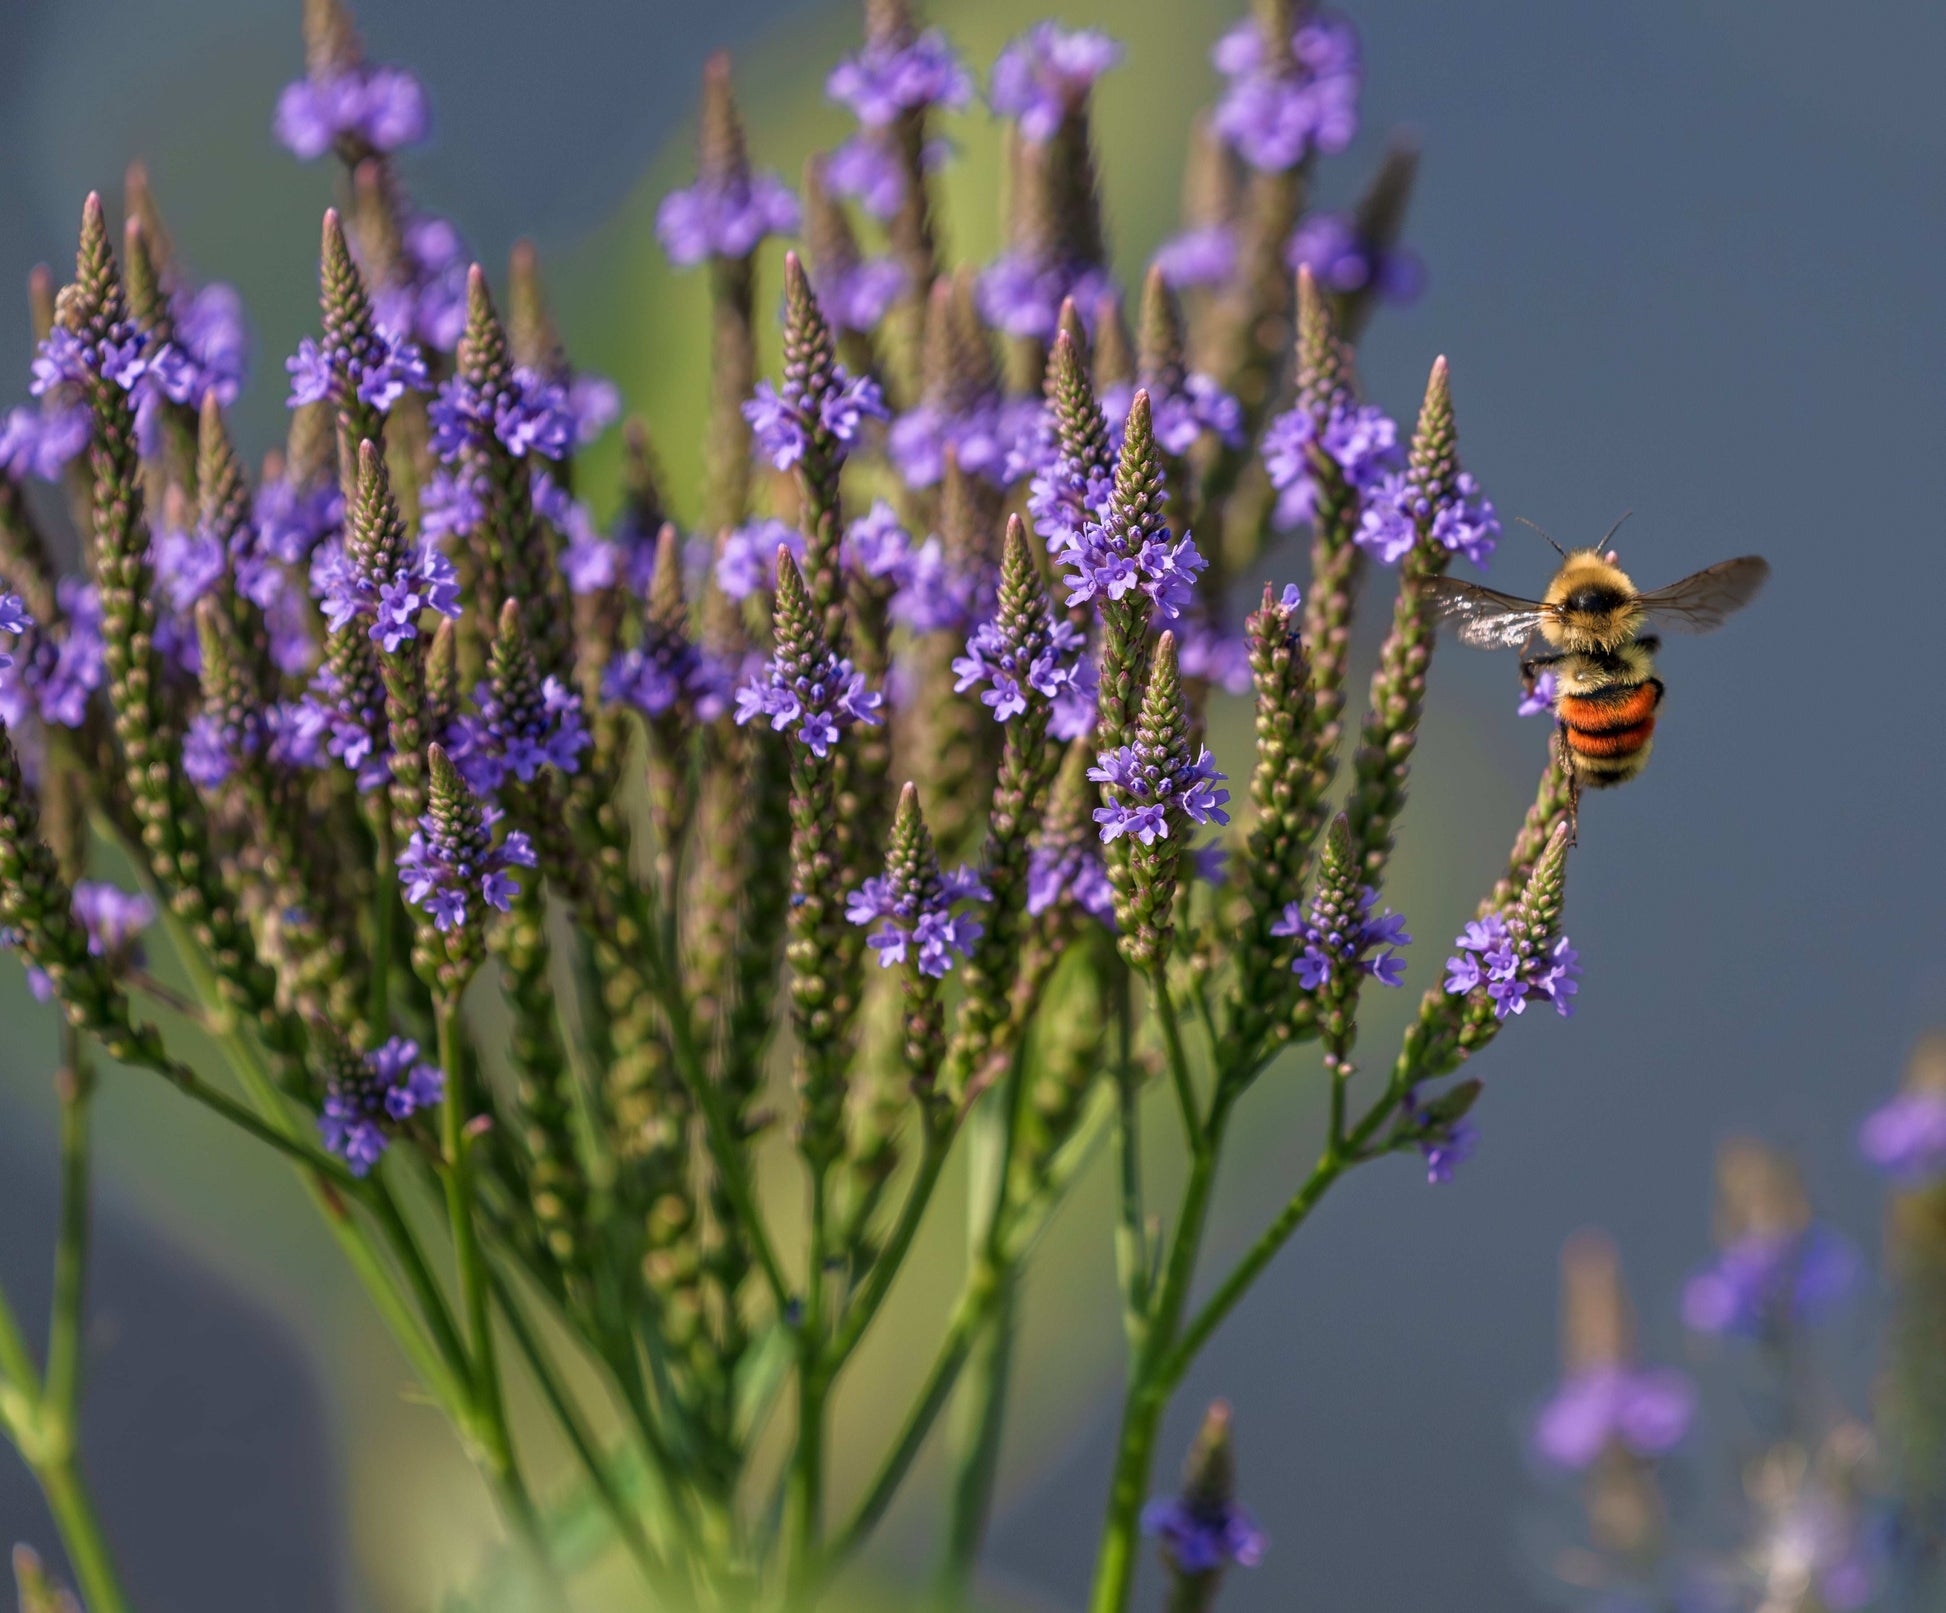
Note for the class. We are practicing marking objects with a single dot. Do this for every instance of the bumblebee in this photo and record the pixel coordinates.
(1606, 694)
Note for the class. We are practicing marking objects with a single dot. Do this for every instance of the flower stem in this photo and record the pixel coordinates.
(66, 1320)
(81, 1536)
(806, 1499)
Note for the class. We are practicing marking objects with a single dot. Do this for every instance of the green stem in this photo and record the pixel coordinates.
(1178, 1057)
(574, 1425)
(81, 1537)
(1328, 1169)
(805, 1523)
(1148, 1387)
(67, 1317)
(456, 1149)
(1131, 1237)
(980, 1423)
(385, 902)
(860, 1315)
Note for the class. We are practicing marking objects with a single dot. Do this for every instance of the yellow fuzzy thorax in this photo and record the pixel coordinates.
(1604, 627)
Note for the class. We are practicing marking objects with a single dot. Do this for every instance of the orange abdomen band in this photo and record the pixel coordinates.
(1607, 713)
(1611, 743)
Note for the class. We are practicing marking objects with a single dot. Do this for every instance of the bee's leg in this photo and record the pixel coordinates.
(1574, 783)
(1531, 667)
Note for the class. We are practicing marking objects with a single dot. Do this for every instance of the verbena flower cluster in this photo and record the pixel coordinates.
(529, 862)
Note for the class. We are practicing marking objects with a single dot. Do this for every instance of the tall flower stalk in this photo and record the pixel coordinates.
(404, 729)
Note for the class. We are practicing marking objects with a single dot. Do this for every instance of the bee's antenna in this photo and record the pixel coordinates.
(1614, 529)
(1550, 536)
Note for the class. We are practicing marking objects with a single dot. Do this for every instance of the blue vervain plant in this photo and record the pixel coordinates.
(885, 765)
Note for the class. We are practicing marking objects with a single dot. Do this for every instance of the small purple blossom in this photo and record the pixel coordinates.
(41, 442)
(1162, 569)
(150, 371)
(919, 924)
(1046, 73)
(533, 415)
(13, 619)
(1202, 1538)
(1360, 439)
(113, 920)
(379, 372)
(1155, 793)
(1276, 113)
(1205, 256)
(1021, 293)
(1178, 416)
(1464, 523)
(724, 218)
(1328, 244)
(387, 1086)
(1540, 698)
(783, 428)
(1049, 660)
(747, 560)
(818, 700)
(1444, 1146)
(1497, 954)
(1645, 1412)
(499, 743)
(1074, 871)
(856, 296)
(1906, 1138)
(986, 436)
(1764, 1281)
(885, 80)
(445, 871)
(378, 108)
(60, 666)
(1061, 500)
(426, 581)
(424, 294)
(1328, 942)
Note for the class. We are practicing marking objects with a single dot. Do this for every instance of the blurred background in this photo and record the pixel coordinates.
(1685, 261)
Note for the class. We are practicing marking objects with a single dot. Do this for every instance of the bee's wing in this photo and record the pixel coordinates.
(1700, 603)
(1484, 617)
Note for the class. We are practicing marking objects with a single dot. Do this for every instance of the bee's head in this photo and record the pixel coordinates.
(1591, 605)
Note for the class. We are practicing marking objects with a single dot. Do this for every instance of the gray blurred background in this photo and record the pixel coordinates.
(1684, 260)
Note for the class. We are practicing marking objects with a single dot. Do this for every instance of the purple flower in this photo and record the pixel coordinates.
(1219, 658)
(60, 666)
(818, 697)
(783, 428)
(113, 920)
(594, 404)
(424, 294)
(748, 558)
(40, 442)
(1540, 698)
(665, 672)
(885, 79)
(1201, 1538)
(918, 922)
(1163, 570)
(869, 170)
(1645, 1412)
(1206, 256)
(378, 371)
(986, 435)
(724, 218)
(424, 581)
(215, 340)
(1062, 500)
(366, 1101)
(1075, 871)
(1329, 940)
(13, 619)
(1906, 1138)
(1021, 292)
(1461, 520)
(502, 741)
(855, 296)
(1025, 657)
(375, 107)
(1445, 1145)
(337, 720)
(1328, 243)
(1046, 73)
(532, 415)
(1155, 792)
(1765, 1281)
(1179, 416)
(1512, 966)
(1362, 441)
(445, 869)
(1274, 113)
(151, 372)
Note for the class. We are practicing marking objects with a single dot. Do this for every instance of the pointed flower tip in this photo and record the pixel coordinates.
(909, 800)
(509, 623)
